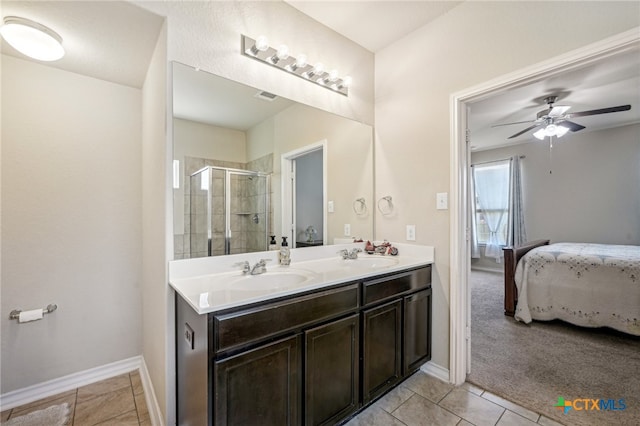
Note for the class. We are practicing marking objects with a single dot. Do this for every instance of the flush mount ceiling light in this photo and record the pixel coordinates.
(280, 58)
(32, 39)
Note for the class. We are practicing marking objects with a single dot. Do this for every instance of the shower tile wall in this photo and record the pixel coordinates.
(247, 236)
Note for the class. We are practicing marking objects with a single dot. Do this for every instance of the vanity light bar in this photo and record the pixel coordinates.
(260, 50)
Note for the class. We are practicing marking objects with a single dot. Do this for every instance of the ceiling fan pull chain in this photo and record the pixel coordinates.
(550, 151)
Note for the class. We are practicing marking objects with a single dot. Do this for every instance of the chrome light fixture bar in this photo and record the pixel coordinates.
(260, 50)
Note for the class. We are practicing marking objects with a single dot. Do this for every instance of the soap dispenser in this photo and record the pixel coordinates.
(273, 245)
(285, 254)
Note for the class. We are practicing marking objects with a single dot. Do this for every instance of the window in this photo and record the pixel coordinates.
(492, 202)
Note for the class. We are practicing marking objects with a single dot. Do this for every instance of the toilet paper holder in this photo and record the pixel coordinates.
(15, 314)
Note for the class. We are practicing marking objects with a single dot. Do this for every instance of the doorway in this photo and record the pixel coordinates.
(304, 172)
(459, 362)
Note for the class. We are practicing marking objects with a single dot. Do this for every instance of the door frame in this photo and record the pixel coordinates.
(288, 189)
(460, 295)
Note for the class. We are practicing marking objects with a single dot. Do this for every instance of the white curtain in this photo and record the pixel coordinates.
(492, 190)
(516, 232)
(496, 189)
(475, 247)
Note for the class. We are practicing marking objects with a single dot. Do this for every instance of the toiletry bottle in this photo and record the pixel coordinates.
(273, 245)
(285, 255)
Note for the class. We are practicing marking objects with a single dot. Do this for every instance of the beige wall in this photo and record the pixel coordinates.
(414, 78)
(592, 193)
(71, 222)
(207, 35)
(158, 334)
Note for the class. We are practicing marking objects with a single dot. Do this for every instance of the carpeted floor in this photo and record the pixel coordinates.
(534, 364)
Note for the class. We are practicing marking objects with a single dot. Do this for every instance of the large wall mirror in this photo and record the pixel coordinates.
(249, 165)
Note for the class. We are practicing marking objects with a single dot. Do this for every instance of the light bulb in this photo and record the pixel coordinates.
(281, 54)
(32, 39)
(540, 134)
(550, 130)
(333, 75)
(301, 62)
(346, 82)
(561, 131)
(318, 68)
(261, 44)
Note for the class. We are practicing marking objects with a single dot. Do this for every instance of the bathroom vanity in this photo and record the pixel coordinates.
(313, 343)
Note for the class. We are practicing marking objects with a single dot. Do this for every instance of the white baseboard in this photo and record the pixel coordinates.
(436, 371)
(155, 413)
(82, 378)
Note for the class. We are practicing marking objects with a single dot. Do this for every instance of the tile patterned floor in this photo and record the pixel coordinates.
(425, 400)
(419, 400)
(115, 401)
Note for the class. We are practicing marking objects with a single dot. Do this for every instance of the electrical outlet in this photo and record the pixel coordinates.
(411, 232)
(189, 336)
(442, 201)
(347, 230)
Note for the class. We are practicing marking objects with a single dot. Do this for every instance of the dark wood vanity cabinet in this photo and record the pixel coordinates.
(396, 329)
(312, 359)
(331, 372)
(259, 386)
(382, 350)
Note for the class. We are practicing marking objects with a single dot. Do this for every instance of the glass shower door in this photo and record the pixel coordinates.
(248, 207)
(229, 212)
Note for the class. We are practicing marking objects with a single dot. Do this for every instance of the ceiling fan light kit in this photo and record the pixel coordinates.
(554, 121)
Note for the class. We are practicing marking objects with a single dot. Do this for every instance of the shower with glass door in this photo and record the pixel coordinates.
(229, 211)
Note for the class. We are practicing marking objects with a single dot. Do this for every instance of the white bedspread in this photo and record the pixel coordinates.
(591, 285)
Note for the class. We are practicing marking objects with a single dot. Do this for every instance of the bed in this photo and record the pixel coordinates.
(589, 285)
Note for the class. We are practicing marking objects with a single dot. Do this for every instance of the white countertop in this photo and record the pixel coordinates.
(211, 284)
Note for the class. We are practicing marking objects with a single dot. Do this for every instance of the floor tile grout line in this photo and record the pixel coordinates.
(135, 404)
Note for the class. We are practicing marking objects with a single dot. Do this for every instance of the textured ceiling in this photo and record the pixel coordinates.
(109, 40)
(374, 25)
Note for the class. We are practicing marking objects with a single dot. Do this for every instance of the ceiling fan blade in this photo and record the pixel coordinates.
(535, 126)
(600, 111)
(574, 127)
(558, 110)
(515, 122)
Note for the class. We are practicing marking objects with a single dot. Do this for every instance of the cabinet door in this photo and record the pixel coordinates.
(260, 386)
(332, 371)
(381, 361)
(417, 330)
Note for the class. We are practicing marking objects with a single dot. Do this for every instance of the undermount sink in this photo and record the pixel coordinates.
(268, 281)
(373, 262)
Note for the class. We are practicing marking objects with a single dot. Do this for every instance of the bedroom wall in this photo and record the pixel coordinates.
(414, 78)
(591, 194)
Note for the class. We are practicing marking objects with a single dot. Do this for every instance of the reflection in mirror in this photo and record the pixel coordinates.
(230, 142)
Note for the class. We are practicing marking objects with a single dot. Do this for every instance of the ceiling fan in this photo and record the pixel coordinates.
(554, 121)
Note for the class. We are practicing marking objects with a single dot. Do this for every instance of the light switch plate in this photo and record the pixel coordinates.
(442, 201)
(411, 232)
(347, 230)
(330, 206)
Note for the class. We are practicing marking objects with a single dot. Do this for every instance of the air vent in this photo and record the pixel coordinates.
(266, 96)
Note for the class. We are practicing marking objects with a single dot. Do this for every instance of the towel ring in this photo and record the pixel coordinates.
(385, 205)
(360, 206)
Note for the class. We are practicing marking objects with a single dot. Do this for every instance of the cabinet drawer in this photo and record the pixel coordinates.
(381, 289)
(239, 328)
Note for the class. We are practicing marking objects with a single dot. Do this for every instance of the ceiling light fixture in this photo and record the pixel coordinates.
(260, 50)
(32, 39)
(551, 129)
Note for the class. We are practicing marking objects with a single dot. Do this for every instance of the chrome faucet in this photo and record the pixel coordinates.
(346, 254)
(245, 266)
(260, 267)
